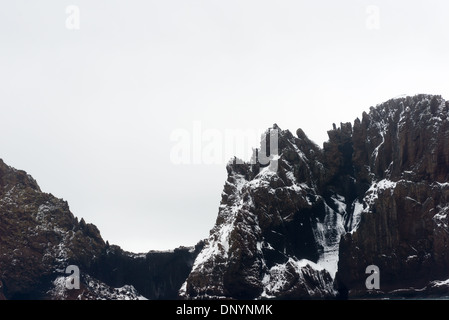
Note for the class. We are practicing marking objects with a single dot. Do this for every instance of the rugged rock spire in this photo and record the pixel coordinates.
(304, 222)
(272, 230)
(380, 185)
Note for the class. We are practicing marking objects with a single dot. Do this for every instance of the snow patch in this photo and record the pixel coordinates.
(92, 287)
(356, 215)
(373, 192)
(441, 217)
(443, 185)
(440, 283)
(340, 203)
(279, 277)
(327, 236)
(218, 243)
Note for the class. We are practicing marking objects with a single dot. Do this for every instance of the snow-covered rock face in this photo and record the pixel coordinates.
(273, 228)
(328, 212)
(92, 289)
(304, 226)
(401, 168)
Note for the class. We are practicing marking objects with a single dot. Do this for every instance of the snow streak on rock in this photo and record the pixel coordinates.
(269, 231)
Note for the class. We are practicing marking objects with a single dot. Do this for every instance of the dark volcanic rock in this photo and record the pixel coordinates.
(155, 275)
(271, 229)
(40, 237)
(380, 185)
(303, 225)
(2, 296)
(403, 227)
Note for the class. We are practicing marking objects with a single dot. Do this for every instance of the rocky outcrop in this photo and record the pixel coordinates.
(296, 222)
(157, 275)
(40, 238)
(402, 157)
(272, 229)
(376, 194)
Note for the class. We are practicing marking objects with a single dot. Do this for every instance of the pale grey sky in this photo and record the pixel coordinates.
(90, 112)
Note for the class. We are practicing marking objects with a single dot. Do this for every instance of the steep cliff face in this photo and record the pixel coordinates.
(303, 223)
(375, 194)
(40, 238)
(157, 275)
(276, 234)
(401, 158)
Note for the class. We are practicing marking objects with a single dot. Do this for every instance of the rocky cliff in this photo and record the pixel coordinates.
(155, 275)
(272, 237)
(296, 222)
(401, 159)
(40, 238)
(375, 194)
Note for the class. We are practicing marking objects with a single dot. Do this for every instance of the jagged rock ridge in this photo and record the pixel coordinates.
(305, 226)
(380, 185)
(40, 237)
(402, 161)
(276, 234)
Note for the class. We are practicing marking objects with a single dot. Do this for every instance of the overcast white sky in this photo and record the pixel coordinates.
(90, 112)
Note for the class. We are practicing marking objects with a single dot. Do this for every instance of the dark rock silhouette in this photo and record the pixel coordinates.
(296, 222)
(380, 185)
(40, 237)
(401, 161)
